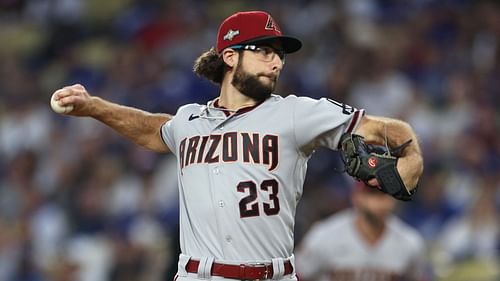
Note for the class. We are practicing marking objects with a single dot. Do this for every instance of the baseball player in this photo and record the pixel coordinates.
(365, 242)
(242, 157)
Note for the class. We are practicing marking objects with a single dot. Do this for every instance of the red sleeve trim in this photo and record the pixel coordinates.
(355, 120)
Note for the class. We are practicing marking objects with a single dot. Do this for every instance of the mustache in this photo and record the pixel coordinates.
(272, 76)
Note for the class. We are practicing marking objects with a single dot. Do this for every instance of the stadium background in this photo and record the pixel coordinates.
(77, 202)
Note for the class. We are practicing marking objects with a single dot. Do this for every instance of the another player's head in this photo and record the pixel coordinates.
(251, 46)
(374, 205)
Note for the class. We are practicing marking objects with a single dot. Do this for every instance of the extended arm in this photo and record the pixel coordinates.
(378, 130)
(139, 126)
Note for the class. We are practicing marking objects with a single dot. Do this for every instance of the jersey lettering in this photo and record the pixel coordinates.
(230, 147)
(191, 151)
(249, 206)
(182, 148)
(250, 148)
(270, 151)
(204, 140)
(272, 187)
(211, 157)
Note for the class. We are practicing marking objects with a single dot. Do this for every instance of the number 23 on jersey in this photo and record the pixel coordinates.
(250, 205)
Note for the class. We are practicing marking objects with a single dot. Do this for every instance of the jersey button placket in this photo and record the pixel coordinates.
(216, 171)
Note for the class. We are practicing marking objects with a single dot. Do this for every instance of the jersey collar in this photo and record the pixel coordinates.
(228, 112)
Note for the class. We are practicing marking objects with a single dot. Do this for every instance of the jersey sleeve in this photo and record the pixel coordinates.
(172, 130)
(167, 135)
(322, 122)
(169, 129)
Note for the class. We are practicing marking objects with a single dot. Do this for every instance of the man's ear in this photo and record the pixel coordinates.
(230, 57)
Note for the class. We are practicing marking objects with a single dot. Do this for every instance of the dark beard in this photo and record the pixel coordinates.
(250, 86)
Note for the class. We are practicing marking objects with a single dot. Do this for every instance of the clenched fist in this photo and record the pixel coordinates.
(72, 100)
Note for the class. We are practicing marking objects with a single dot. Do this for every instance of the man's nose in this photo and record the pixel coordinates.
(277, 64)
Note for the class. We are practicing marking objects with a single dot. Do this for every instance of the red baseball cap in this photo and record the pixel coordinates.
(252, 27)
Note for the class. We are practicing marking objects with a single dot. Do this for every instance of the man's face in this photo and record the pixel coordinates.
(374, 205)
(255, 77)
(258, 86)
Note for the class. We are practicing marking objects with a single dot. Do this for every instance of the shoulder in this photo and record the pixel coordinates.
(336, 223)
(324, 103)
(291, 98)
(337, 226)
(279, 101)
(309, 101)
(298, 104)
(406, 233)
(294, 98)
(188, 109)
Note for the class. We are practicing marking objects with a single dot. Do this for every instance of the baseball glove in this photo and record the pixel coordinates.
(365, 162)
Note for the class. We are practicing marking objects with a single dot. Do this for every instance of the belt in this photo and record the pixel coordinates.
(241, 271)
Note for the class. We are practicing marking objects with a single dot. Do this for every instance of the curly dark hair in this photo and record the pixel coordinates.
(210, 66)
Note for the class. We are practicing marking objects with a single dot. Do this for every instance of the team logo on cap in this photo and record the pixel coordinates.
(270, 25)
(230, 34)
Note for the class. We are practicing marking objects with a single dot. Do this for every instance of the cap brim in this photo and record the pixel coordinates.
(290, 44)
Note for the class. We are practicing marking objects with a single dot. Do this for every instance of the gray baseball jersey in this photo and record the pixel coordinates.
(334, 250)
(241, 175)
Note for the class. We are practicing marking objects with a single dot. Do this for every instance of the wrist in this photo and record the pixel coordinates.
(410, 168)
(95, 107)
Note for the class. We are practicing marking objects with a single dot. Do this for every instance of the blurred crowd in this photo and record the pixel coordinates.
(78, 202)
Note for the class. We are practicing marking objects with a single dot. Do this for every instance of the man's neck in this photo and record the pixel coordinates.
(371, 231)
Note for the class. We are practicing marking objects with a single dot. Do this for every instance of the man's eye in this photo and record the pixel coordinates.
(267, 50)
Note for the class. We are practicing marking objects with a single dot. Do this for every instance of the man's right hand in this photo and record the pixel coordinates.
(77, 96)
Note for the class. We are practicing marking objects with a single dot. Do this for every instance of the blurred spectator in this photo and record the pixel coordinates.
(363, 243)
